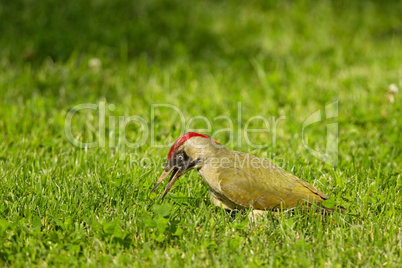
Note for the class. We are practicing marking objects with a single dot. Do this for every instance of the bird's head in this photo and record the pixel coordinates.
(188, 152)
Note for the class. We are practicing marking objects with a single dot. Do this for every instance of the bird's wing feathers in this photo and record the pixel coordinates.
(266, 187)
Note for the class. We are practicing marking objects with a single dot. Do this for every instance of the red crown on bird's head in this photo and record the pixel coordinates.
(183, 138)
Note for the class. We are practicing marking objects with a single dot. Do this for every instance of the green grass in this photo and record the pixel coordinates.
(65, 206)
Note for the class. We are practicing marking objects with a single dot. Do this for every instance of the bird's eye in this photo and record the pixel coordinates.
(180, 157)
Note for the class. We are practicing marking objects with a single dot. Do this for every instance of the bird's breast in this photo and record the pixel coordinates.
(211, 178)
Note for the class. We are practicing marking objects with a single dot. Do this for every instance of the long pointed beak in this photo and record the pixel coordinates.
(161, 178)
(175, 175)
(173, 178)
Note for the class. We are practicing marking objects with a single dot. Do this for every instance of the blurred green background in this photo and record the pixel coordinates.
(64, 206)
(200, 30)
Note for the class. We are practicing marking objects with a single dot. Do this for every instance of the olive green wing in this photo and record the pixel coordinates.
(266, 188)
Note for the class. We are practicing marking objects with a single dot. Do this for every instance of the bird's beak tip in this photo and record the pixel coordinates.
(176, 174)
(156, 185)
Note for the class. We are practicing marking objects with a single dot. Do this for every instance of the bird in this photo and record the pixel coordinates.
(237, 180)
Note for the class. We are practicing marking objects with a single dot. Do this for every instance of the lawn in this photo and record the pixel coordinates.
(93, 93)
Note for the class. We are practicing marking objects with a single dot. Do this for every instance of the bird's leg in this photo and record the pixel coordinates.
(256, 215)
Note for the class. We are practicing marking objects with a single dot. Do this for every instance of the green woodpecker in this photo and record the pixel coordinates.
(237, 180)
